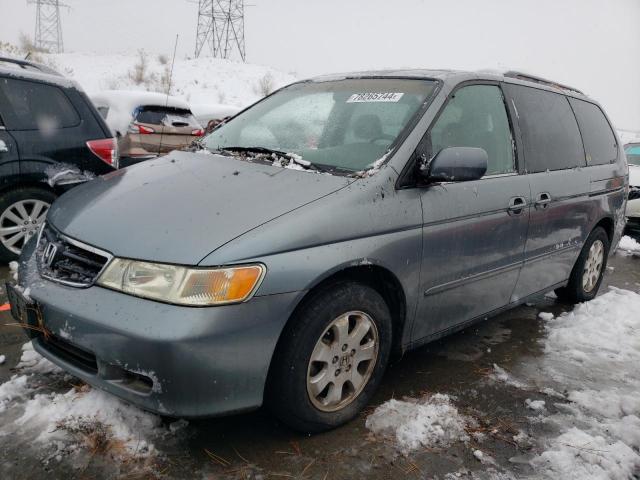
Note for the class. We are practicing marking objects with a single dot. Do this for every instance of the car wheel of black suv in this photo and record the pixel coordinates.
(331, 358)
(588, 270)
(22, 212)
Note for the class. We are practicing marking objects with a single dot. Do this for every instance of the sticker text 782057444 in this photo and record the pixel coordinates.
(375, 97)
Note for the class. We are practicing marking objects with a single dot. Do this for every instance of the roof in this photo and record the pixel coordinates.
(27, 70)
(456, 76)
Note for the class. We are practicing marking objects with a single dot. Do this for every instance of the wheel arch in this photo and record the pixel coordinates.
(378, 277)
(608, 225)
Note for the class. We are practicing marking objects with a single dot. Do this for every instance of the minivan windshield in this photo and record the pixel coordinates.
(345, 124)
(633, 154)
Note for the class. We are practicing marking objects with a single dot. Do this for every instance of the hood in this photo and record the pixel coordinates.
(634, 175)
(179, 208)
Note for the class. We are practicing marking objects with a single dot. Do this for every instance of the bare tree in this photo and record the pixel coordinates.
(266, 85)
(139, 74)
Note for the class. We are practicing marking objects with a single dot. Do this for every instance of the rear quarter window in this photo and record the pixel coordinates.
(599, 141)
(36, 106)
(550, 133)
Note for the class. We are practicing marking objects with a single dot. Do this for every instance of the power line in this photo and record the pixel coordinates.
(48, 34)
(221, 28)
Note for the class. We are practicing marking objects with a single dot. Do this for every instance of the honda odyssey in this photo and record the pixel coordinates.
(336, 223)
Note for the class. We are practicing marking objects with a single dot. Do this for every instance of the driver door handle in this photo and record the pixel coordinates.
(542, 200)
(517, 205)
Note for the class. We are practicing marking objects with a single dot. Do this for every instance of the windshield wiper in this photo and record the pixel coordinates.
(292, 157)
(264, 150)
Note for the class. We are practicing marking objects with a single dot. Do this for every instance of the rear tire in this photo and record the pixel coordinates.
(315, 382)
(588, 270)
(22, 212)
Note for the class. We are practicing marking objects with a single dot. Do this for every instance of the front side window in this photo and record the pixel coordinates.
(476, 117)
(549, 129)
(37, 106)
(599, 141)
(347, 124)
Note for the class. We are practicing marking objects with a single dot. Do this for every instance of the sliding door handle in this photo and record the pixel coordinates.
(542, 200)
(517, 205)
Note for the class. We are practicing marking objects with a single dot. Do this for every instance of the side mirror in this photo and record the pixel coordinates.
(456, 164)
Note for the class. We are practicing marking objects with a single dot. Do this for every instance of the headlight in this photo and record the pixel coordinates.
(182, 285)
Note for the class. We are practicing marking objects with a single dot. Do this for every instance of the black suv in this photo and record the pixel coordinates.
(51, 137)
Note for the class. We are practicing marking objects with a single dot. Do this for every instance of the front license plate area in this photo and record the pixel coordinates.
(23, 311)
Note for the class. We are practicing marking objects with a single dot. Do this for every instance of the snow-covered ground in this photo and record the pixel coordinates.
(589, 371)
(61, 417)
(198, 81)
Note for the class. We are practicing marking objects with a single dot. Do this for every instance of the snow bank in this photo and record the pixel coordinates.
(197, 81)
(412, 424)
(579, 456)
(54, 416)
(628, 245)
(63, 422)
(594, 352)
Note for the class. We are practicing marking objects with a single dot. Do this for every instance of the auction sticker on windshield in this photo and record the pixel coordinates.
(375, 97)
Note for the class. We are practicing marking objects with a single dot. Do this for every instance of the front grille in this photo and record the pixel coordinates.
(634, 193)
(70, 353)
(68, 261)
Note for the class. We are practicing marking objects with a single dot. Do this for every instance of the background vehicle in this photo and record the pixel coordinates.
(147, 124)
(415, 203)
(632, 150)
(216, 112)
(50, 136)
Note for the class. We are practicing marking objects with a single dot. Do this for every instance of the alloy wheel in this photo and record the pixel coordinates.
(20, 222)
(593, 266)
(342, 361)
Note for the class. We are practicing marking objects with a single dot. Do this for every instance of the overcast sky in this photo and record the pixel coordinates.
(593, 45)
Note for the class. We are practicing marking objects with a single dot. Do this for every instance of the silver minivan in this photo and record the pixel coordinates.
(334, 224)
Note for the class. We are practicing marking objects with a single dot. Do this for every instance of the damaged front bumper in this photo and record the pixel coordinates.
(176, 361)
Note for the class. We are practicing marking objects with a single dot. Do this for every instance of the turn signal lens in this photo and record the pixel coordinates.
(181, 285)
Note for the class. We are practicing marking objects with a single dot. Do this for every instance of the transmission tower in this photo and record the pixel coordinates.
(48, 27)
(220, 28)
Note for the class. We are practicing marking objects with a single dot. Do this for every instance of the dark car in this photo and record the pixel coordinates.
(51, 137)
(332, 224)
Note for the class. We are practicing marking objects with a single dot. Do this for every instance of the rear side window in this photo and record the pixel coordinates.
(167, 116)
(599, 141)
(36, 106)
(549, 129)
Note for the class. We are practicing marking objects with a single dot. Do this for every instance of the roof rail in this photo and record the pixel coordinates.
(540, 80)
(27, 65)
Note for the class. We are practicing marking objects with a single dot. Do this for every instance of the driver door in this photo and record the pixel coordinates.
(474, 233)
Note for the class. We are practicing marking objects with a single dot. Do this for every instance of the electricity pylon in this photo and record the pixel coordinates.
(48, 27)
(220, 28)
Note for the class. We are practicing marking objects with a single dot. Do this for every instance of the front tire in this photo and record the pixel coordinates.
(22, 212)
(331, 358)
(588, 270)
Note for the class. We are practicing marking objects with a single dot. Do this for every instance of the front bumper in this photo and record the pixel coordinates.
(172, 360)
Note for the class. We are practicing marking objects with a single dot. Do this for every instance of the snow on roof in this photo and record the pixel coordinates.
(132, 99)
(212, 111)
(122, 103)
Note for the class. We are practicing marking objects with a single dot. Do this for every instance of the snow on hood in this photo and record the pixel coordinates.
(122, 103)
